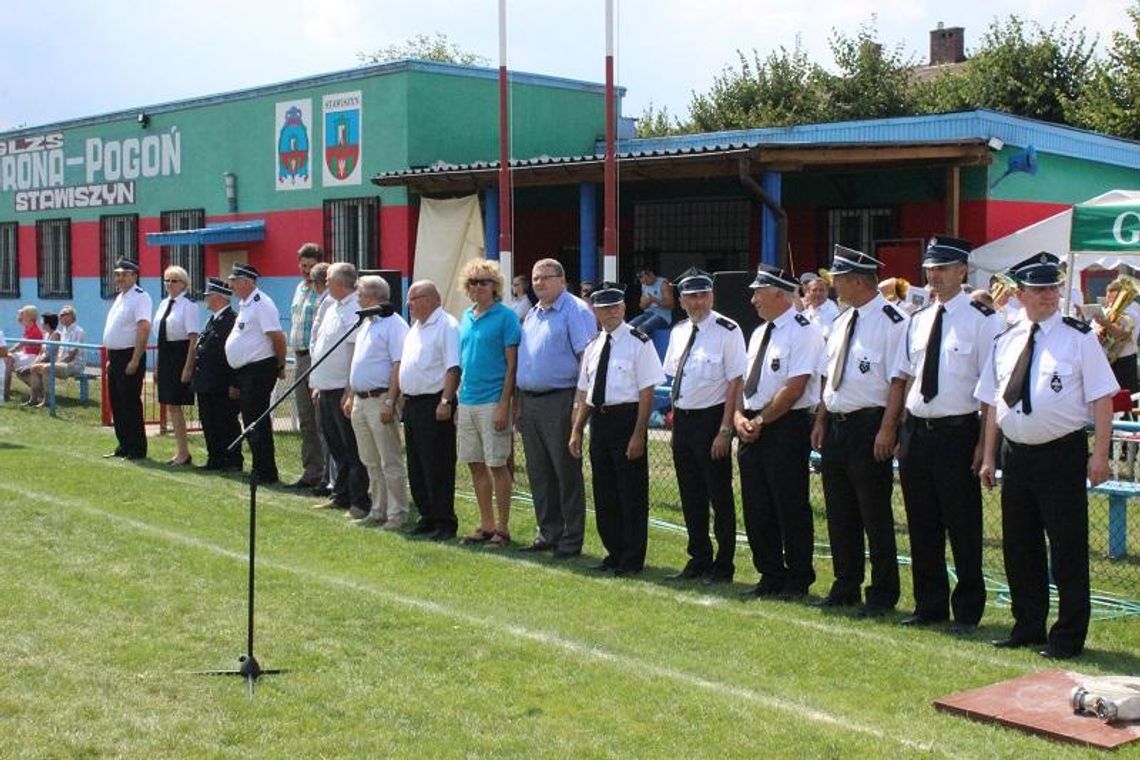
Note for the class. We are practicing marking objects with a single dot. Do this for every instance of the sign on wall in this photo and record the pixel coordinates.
(294, 152)
(342, 124)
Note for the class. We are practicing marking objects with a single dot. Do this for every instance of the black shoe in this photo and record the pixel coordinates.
(603, 567)
(917, 620)
(301, 484)
(566, 553)
(688, 574)
(424, 527)
(322, 490)
(538, 545)
(117, 453)
(872, 611)
(441, 534)
(760, 590)
(837, 601)
(1015, 642)
(1053, 653)
(134, 457)
(792, 595)
(622, 572)
(232, 468)
(959, 628)
(715, 578)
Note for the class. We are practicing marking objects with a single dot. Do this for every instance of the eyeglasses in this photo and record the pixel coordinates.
(541, 277)
(171, 282)
(479, 281)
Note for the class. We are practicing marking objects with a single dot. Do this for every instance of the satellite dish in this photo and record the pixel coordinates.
(1022, 162)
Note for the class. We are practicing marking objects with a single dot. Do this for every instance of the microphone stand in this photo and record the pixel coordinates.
(248, 666)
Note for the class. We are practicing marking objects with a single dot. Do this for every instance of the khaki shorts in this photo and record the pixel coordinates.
(478, 440)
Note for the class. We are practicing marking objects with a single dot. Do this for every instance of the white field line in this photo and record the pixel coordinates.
(637, 666)
(788, 614)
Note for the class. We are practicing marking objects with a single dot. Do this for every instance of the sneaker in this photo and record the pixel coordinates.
(395, 523)
(356, 513)
(371, 521)
(330, 504)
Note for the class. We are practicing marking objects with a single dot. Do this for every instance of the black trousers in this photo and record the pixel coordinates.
(218, 414)
(125, 392)
(1124, 369)
(350, 489)
(702, 480)
(255, 382)
(774, 488)
(1043, 496)
(857, 489)
(943, 500)
(621, 487)
(431, 454)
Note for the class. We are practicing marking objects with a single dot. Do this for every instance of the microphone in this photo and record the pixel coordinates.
(383, 310)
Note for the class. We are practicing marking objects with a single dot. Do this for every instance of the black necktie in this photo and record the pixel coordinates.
(675, 392)
(929, 386)
(598, 395)
(837, 378)
(753, 381)
(1017, 389)
(162, 322)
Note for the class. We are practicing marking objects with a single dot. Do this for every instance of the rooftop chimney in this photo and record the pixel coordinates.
(947, 45)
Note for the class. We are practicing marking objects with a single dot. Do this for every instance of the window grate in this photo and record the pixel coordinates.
(118, 239)
(9, 260)
(857, 228)
(53, 257)
(713, 233)
(192, 258)
(351, 231)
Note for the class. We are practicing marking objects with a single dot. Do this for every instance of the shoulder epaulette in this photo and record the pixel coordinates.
(726, 323)
(895, 315)
(257, 297)
(802, 320)
(138, 289)
(1076, 324)
(639, 334)
(985, 310)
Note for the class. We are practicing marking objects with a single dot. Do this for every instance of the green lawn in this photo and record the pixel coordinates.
(120, 579)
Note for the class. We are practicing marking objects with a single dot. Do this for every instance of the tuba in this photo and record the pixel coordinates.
(1127, 289)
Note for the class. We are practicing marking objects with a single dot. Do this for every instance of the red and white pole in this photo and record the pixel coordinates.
(609, 234)
(506, 236)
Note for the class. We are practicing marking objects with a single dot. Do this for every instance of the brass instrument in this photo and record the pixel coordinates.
(826, 276)
(1002, 286)
(1127, 289)
(902, 288)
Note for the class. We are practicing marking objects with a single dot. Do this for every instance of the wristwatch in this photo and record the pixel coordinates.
(725, 430)
(389, 402)
(444, 401)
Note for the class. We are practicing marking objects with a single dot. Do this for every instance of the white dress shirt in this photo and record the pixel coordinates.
(871, 356)
(338, 318)
(121, 328)
(716, 358)
(378, 347)
(249, 341)
(795, 349)
(431, 348)
(183, 319)
(633, 366)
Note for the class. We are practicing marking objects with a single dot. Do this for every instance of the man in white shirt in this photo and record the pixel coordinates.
(124, 336)
(429, 381)
(820, 310)
(329, 383)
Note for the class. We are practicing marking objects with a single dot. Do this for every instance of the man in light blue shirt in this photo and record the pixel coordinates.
(555, 332)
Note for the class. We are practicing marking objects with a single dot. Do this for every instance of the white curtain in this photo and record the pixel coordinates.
(450, 233)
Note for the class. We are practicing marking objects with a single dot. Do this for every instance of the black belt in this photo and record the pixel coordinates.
(372, 393)
(751, 414)
(1057, 443)
(866, 412)
(614, 408)
(540, 394)
(715, 408)
(301, 352)
(423, 396)
(938, 423)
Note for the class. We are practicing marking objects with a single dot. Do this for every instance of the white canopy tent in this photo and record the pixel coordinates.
(1119, 244)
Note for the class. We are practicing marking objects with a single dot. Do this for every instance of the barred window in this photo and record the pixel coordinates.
(857, 228)
(53, 257)
(9, 260)
(192, 258)
(351, 231)
(711, 232)
(118, 239)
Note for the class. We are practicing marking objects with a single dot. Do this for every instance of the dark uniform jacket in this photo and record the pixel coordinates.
(212, 373)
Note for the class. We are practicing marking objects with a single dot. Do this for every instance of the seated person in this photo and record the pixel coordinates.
(656, 303)
(69, 360)
(23, 354)
(47, 351)
(3, 379)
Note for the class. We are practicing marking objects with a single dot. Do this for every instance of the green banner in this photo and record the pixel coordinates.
(1106, 228)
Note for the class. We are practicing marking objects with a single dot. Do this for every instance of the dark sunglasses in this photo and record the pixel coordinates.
(480, 281)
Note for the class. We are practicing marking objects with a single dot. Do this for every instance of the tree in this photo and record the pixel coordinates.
(424, 48)
(655, 122)
(1023, 70)
(779, 90)
(871, 83)
(1110, 101)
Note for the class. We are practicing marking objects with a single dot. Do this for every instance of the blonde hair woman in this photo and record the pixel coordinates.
(176, 321)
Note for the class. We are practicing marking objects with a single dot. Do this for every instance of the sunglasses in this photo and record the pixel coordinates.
(171, 282)
(479, 281)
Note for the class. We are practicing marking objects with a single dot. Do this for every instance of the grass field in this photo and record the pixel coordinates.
(120, 579)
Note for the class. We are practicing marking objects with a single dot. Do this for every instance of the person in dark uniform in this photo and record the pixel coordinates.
(774, 427)
(124, 336)
(255, 348)
(706, 358)
(212, 379)
(619, 371)
(941, 446)
(1043, 378)
(855, 431)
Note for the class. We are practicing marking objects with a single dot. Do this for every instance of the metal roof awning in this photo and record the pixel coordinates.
(251, 231)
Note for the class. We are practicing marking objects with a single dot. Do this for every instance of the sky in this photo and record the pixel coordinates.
(74, 58)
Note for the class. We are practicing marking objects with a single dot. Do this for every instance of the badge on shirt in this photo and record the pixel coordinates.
(775, 364)
(1055, 383)
(241, 325)
(864, 365)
